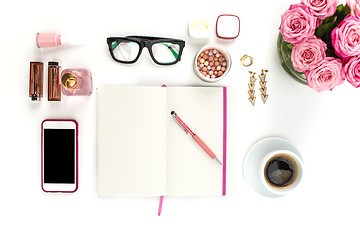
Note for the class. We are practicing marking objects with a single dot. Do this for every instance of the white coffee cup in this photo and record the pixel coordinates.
(257, 158)
(294, 162)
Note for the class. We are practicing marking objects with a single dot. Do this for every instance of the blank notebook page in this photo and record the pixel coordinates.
(190, 171)
(131, 141)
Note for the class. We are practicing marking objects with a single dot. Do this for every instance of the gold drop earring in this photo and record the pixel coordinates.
(251, 86)
(263, 88)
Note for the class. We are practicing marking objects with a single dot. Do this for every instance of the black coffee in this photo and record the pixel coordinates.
(280, 171)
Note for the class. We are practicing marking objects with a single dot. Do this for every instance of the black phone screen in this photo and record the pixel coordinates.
(59, 156)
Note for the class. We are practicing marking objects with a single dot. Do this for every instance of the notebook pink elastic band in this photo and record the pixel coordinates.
(224, 139)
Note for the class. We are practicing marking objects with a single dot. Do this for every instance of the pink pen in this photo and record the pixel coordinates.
(194, 136)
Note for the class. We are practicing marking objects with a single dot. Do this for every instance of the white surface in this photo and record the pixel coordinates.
(324, 127)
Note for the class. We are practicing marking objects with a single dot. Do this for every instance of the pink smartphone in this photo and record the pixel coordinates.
(59, 155)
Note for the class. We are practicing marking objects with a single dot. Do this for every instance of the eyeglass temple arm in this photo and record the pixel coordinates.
(172, 50)
(114, 44)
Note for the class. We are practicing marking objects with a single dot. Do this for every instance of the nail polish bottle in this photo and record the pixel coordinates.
(46, 40)
(76, 82)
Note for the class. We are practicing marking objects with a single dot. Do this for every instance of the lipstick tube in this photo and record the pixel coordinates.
(54, 90)
(36, 81)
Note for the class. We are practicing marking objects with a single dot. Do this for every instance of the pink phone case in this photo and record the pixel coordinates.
(76, 154)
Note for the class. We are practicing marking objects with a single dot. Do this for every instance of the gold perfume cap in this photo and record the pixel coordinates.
(70, 81)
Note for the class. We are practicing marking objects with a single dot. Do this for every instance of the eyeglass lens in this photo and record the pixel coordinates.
(126, 51)
(163, 52)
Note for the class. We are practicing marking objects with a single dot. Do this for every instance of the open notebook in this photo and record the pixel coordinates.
(141, 151)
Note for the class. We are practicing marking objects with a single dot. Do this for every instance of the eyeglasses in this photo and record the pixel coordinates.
(163, 51)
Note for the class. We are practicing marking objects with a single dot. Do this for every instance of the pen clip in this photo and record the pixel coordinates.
(179, 124)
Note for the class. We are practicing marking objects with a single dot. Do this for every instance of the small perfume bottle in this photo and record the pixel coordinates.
(76, 82)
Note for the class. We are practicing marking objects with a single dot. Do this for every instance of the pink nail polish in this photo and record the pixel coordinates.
(44, 40)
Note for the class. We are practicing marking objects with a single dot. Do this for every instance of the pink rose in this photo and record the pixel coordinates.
(308, 53)
(325, 75)
(321, 8)
(355, 7)
(297, 24)
(351, 71)
(345, 38)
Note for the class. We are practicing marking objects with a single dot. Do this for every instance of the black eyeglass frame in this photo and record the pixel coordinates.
(145, 41)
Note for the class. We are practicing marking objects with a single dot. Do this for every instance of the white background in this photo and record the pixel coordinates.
(324, 126)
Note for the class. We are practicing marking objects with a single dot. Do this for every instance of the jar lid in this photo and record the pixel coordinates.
(227, 26)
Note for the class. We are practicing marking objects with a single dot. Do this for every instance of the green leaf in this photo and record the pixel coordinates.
(330, 53)
(347, 10)
(341, 12)
(340, 8)
(324, 30)
(329, 19)
(289, 46)
(344, 12)
(326, 26)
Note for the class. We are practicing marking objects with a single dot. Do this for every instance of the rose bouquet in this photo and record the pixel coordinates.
(324, 39)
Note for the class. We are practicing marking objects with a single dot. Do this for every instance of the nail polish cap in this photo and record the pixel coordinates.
(45, 40)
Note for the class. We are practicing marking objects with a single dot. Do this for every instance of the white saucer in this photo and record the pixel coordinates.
(256, 155)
